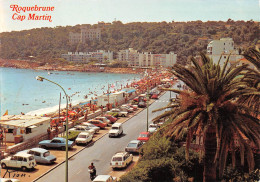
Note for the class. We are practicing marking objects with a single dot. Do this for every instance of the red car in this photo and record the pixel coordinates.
(144, 136)
(154, 96)
(136, 99)
(98, 123)
(111, 118)
(140, 98)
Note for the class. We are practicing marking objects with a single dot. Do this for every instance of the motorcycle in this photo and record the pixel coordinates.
(92, 173)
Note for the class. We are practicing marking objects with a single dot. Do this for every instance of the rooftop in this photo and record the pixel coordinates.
(22, 120)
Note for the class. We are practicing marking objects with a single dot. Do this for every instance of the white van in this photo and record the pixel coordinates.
(116, 130)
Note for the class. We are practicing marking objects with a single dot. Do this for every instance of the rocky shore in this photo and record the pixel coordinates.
(26, 64)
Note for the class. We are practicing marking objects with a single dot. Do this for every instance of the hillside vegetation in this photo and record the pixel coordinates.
(184, 38)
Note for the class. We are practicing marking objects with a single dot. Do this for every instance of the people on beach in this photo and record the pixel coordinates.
(86, 115)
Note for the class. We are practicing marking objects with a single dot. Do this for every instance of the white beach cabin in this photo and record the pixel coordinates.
(112, 98)
(24, 125)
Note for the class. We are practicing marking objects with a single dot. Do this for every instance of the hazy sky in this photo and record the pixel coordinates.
(73, 12)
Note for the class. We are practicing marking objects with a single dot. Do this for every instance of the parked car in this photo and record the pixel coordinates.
(115, 114)
(41, 155)
(142, 97)
(105, 178)
(120, 113)
(144, 136)
(116, 130)
(19, 160)
(95, 128)
(167, 85)
(82, 128)
(154, 96)
(136, 99)
(134, 146)
(9, 180)
(98, 123)
(104, 119)
(121, 160)
(56, 142)
(84, 138)
(111, 118)
(153, 128)
(127, 108)
(142, 104)
(133, 106)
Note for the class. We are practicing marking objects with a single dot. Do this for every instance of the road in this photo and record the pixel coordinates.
(101, 152)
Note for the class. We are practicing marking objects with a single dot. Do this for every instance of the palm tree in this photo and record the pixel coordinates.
(252, 77)
(209, 108)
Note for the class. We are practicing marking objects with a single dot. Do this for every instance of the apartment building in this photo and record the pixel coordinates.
(85, 57)
(74, 37)
(86, 33)
(90, 34)
(134, 58)
(130, 56)
(223, 49)
(165, 60)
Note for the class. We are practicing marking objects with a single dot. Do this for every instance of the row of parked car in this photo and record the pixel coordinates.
(120, 159)
(28, 159)
(123, 159)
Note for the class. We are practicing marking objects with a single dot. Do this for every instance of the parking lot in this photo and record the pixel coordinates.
(60, 155)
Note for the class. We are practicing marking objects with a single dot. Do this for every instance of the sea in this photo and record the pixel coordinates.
(21, 92)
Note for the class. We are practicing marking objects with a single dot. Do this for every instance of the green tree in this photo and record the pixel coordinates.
(209, 108)
(252, 77)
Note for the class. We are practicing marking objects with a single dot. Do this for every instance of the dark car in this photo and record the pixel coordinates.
(134, 146)
(142, 104)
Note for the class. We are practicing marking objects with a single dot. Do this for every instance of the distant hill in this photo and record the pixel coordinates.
(184, 38)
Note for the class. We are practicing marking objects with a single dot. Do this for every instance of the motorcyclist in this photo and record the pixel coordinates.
(92, 171)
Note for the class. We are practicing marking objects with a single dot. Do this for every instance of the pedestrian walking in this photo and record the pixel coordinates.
(56, 130)
(1, 139)
(49, 133)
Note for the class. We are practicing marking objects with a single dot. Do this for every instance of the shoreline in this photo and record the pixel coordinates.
(26, 64)
(53, 110)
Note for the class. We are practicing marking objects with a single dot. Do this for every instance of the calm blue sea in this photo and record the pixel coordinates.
(21, 92)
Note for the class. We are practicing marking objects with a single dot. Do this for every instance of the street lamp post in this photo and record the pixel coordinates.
(147, 105)
(40, 78)
(147, 101)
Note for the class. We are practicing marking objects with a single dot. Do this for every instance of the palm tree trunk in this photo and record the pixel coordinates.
(209, 174)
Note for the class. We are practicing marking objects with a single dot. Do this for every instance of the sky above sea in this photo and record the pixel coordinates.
(73, 12)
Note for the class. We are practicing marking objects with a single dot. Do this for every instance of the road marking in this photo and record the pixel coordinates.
(162, 101)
